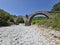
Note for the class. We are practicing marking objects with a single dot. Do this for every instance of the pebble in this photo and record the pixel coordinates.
(22, 35)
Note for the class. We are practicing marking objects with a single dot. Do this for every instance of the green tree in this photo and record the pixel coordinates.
(56, 7)
(5, 18)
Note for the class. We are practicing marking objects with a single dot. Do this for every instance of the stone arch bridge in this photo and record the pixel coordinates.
(27, 18)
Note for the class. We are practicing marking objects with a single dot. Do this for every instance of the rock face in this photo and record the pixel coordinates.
(23, 35)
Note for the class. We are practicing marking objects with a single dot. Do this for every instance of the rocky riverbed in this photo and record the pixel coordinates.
(27, 35)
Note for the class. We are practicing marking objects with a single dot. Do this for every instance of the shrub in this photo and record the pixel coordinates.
(39, 20)
(53, 22)
(33, 22)
(4, 17)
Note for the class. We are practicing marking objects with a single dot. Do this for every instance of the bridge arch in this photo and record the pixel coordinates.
(36, 13)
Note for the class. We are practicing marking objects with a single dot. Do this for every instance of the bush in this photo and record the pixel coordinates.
(39, 20)
(54, 22)
(4, 17)
(10, 23)
(33, 22)
(56, 7)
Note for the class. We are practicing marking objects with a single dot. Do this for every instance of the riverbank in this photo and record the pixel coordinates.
(27, 35)
(50, 33)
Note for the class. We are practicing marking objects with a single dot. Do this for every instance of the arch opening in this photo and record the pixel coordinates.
(37, 18)
(19, 20)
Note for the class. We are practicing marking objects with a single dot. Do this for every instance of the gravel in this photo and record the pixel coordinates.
(23, 35)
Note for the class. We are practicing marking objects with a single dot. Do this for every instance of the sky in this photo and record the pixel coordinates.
(23, 7)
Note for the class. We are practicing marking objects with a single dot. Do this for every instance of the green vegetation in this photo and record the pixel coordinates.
(56, 7)
(53, 22)
(38, 20)
(5, 18)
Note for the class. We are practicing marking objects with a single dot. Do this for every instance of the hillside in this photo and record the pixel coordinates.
(5, 18)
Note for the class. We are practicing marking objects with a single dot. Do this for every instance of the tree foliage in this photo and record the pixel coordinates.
(56, 7)
(5, 18)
